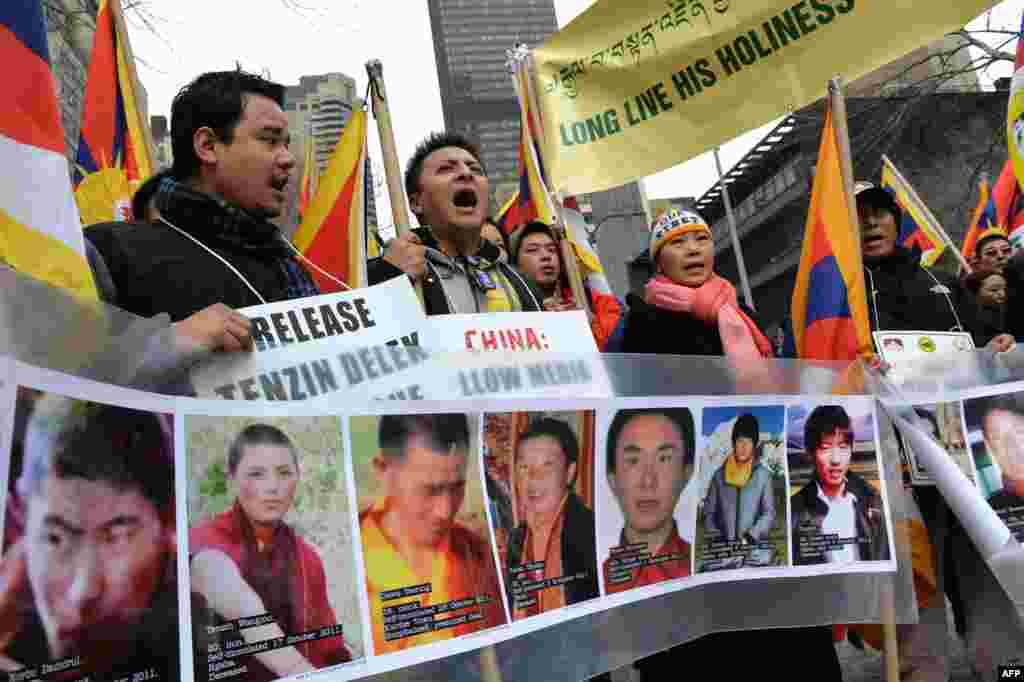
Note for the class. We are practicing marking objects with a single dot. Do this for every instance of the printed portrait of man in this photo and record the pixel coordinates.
(650, 456)
(837, 517)
(1001, 422)
(247, 562)
(414, 548)
(556, 534)
(739, 506)
(88, 579)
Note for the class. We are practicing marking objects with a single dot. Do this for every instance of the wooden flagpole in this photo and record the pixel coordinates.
(392, 167)
(838, 104)
(561, 230)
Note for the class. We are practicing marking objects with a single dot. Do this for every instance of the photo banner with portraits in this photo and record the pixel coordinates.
(376, 342)
(212, 540)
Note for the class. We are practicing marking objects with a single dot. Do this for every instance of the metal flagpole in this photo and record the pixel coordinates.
(740, 263)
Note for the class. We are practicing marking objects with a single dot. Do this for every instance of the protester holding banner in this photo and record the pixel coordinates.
(460, 271)
(213, 244)
(536, 253)
(247, 562)
(687, 309)
(88, 580)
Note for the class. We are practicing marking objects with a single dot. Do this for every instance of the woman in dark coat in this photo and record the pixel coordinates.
(689, 310)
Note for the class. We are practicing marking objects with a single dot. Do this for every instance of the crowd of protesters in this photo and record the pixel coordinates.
(203, 243)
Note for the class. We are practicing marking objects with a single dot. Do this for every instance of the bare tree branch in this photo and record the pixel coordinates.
(983, 46)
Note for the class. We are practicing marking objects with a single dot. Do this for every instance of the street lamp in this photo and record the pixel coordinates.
(592, 233)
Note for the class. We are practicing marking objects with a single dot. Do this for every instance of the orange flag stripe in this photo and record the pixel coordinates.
(331, 230)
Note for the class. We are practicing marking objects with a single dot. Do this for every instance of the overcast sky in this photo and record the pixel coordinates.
(341, 35)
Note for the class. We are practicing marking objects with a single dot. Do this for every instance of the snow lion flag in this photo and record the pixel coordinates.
(40, 232)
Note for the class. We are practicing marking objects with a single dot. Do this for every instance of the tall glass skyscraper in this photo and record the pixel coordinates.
(470, 40)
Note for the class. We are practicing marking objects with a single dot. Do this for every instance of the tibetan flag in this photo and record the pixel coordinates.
(306, 188)
(830, 311)
(40, 232)
(919, 231)
(114, 144)
(333, 229)
(532, 200)
(983, 222)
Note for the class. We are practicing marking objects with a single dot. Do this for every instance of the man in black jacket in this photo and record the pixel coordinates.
(460, 272)
(213, 247)
(902, 294)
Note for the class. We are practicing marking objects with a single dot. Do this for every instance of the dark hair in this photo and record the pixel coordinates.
(680, 416)
(124, 448)
(535, 227)
(430, 144)
(824, 420)
(444, 432)
(214, 100)
(258, 434)
(976, 278)
(557, 429)
(987, 240)
(746, 427)
(146, 192)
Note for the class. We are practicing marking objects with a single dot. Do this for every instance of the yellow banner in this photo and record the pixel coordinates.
(630, 89)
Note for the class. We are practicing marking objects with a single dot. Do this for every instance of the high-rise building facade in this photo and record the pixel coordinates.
(470, 41)
(471, 38)
(318, 109)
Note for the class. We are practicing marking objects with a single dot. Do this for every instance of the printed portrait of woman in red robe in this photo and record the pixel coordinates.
(259, 592)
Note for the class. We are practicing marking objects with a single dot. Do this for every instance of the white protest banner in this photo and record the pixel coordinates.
(566, 332)
(371, 612)
(297, 344)
(376, 343)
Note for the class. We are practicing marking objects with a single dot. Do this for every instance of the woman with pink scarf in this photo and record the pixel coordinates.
(689, 310)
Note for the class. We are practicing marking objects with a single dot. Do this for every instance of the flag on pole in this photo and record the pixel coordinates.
(332, 231)
(531, 200)
(40, 232)
(983, 223)
(306, 188)
(114, 144)
(1007, 192)
(920, 230)
(830, 311)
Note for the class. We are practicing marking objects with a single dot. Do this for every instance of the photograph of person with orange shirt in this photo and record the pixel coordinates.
(649, 455)
(551, 554)
(430, 568)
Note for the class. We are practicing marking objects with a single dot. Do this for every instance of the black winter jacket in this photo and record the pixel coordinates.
(650, 329)
(903, 296)
(156, 270)
(579, 551)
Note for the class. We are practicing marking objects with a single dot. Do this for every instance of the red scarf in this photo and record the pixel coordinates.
(714, 302)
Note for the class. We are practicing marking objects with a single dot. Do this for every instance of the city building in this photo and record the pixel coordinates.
(318, 108)
(941, 143)
(470, 44)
